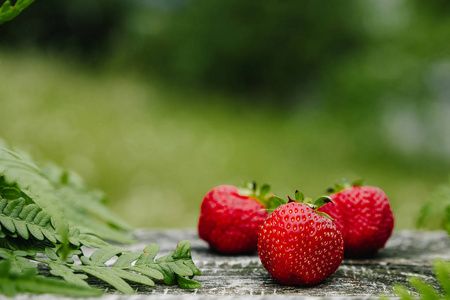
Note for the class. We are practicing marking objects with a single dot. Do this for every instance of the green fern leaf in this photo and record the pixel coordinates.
(181, 254)
(95, 265)
(29, 213)
(18, 260)
(179, 268)
(11, 193)
(13, 208)
(133, 277)
(15, 242)
(431, 215)
(168, 268)
(71, 187)
(93, 203)
(19, 176)
(183, 250)
(12, 283)
(442, 271)
(26, 221)
(91, 241)
(150, 252)
(126, 259)
(101, 256)
(148, 271)
(20, 172)
(9, 11)
(7, 223)
(186, 283)
(59, 269)
(3, 201)
(169, 277)
(36, 231)
(427, 291)
(51, 253)
(32, 203)
(107, 275)
(21, 229)
(93, 226)
(403, 293)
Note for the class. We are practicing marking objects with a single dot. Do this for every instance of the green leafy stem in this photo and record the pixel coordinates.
(174, 268)
(48, 216)
(425, 290)
(9, 11)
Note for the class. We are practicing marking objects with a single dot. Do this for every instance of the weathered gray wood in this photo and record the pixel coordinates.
(408, 253)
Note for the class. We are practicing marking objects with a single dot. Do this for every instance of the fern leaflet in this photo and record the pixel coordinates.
(425, 290)
(12, 283)
(431, 215)
(86, 208)
(50, 217)
(9, 11)
(18, 260)
(138, 267)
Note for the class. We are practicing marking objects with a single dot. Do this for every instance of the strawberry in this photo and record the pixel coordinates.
(363, 215)
(230, 217)
(298, 245)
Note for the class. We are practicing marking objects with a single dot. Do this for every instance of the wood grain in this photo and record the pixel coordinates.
(408, 253)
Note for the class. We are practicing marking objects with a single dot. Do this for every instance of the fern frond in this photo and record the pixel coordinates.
(61, 270)
(71, 187)
(19, 171)
(12, 283)
(57, 192)
(141, 267)
(84, 208)
(431, 214)
(107, 275)
(442, 271)
(21, 223)
(32, 229)
(18, 243)
(186, 283)
(80, 218)
(9, 11)
(26, 220)
(101, 256)
(425, 290)
(18, 260)
(116, 274)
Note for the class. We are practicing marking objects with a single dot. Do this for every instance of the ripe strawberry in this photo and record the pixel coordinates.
(299, 245)
(230, 217)
(363, 215)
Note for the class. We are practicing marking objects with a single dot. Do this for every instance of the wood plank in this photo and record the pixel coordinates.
(408, 253)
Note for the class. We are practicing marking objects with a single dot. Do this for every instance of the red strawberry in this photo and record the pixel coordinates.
(299, 245)
(363, 215)
(230, 218)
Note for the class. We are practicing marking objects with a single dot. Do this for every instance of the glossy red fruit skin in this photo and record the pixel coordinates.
(229, 222)
(363, 214)
(297, 246)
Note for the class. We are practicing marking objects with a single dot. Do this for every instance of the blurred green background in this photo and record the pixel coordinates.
(155, 102)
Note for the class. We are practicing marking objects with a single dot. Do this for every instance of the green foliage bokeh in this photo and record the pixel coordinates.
(155, 102)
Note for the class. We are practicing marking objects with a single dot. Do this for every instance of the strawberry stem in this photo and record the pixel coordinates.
(261, 194)
(343, 185)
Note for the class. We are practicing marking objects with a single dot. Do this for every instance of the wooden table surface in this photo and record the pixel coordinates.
(407, 253)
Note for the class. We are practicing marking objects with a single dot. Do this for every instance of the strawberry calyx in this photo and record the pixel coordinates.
(343, 185)
(261, 194)
(300, 197)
